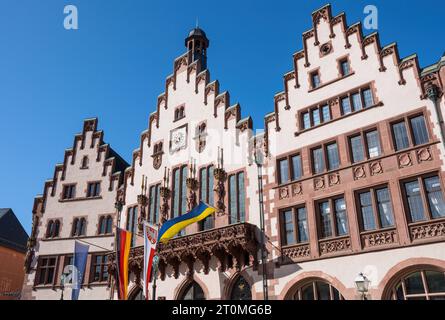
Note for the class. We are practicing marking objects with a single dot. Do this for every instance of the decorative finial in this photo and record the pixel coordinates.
(197, 22)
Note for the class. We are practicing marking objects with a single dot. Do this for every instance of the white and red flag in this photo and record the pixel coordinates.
(150, 240)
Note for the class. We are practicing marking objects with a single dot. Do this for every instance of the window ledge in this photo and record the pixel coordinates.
(179, 119)
(80, 199)
(379, 104)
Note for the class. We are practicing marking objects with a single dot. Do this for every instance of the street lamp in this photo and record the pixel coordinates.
(259, 160)
(63, 278)
(362, 284)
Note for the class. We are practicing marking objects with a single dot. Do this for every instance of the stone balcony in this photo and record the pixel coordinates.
(234, 246)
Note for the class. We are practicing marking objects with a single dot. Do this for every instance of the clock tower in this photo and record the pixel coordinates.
(197, 44)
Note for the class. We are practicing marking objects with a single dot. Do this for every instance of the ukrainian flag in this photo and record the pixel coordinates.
(172, 227)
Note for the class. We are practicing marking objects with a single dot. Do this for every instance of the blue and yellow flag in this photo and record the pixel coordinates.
(172, 227)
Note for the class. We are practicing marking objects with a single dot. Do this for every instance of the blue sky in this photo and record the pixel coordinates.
(115, 66)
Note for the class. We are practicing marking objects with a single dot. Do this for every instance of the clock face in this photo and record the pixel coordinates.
(178, 138)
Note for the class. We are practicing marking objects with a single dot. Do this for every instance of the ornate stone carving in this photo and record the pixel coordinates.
(192, 186)
(297, 252)
(234, 246)
(428, 230)
(323, 13)
(424, 154)
(359, 172)
(142, 201)
(283, 193)
(297, 189)
(165, 195)
(325, 49)
(375, 168)
(404, 160)
(387, 51)
(220, 177)
(379, 238)
(319, 183)
(336, 245)
(334, 179)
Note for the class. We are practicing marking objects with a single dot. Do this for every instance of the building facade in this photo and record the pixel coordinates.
(348, 173)
(77, 204)
(13, 240)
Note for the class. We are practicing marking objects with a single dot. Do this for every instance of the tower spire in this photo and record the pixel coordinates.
(197, 44)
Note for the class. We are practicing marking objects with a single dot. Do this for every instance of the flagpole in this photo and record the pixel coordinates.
(118, 205)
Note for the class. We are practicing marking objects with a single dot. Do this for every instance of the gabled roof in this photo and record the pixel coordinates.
(12, 234)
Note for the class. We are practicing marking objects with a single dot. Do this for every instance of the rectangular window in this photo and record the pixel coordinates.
(99, 268)
(306, 120)
(290, 169)
(93, 189)
(294, 226)
(326, 112)
(357, 101)
(69, 191)
(333, 158)
(325, 219)
(345, 70)
(376, 200)
(303, 234)
(357, 149)
(284, 171)
(341, 218)
(384, 207)
(318, 160)
(315, 77)
(46, 270)
(420, 133)
(373, 143)
(316, 117)
(345, 106)
(289, 227)
(132, 223)
(237, 198)
(400, 135)
(435, 197)
(332, 212)
(179, 193)
(155, 198)
(367, 211)
(368, 98)
(206, 195)
(296, 167)
(415, 203)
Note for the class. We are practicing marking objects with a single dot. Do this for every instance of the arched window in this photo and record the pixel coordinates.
(56, 229)
(317, 290)
(105, 224)
(423, 284)
(241, 290)
(49, 229)
(74, 228)
(193, 292)
(83, 225)
(179, 194)
(237, 205)
(132, 223)
(102, 225)
(109, 227)
(79, 227)
(206, 194)
(84, 162)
